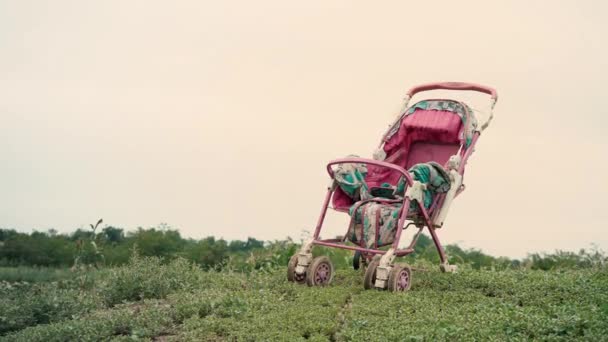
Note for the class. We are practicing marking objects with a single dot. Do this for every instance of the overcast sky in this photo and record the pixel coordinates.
(218, 117)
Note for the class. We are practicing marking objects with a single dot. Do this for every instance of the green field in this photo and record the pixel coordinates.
(177, 301)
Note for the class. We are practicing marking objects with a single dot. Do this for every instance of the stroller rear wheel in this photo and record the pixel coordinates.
(357, 260)
(320, 272)
(292, 276)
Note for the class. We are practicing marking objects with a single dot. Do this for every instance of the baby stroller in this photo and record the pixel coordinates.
(416, 173)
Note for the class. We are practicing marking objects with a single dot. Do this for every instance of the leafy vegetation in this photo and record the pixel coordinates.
(152, 284)
(151, 299)
(34, 274)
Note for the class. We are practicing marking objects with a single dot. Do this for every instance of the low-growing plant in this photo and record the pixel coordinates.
(147, 277)
(247, 298)
(34, 274)
(178, 301)
(23, 305)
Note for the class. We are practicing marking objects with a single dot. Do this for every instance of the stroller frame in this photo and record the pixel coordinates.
(385, 274)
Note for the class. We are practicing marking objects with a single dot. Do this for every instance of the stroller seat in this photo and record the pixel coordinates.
(375, 213)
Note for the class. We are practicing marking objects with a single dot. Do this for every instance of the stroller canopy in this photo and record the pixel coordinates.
(431, 130)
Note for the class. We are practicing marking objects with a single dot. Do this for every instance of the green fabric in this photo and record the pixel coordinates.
(352, 182)
(422, 173)
(368, 217)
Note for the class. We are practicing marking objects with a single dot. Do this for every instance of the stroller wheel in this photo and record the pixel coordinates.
(291, 271)
(400, 278)
(357, 260)
(320, 272)
(370, 274)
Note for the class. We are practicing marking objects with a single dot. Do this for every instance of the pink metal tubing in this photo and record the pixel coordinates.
(425, 214)
(415, 239)
(454, 86)
(393, 167)
(400, 223)
(323, 212)
(429, 225)
(404, 252)
(437, 203)
(331, 240)
(435, 212)
(326, 243)
(352, 248)
(440, 250)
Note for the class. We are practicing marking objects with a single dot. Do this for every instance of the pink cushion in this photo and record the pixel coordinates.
(423, 152)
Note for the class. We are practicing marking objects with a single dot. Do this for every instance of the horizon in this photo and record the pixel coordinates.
(165, 226)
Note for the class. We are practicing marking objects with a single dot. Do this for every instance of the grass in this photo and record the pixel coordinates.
(151, 300)
(34, 274)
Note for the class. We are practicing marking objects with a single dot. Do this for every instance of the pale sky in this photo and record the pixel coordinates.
(218, 117)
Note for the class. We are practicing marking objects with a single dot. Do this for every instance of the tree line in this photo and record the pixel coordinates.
(114, 246)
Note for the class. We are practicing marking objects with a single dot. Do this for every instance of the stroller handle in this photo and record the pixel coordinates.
(454, 86)
(393, 167)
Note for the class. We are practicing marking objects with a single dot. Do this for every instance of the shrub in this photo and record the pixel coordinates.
(147, 277)
(23, 305)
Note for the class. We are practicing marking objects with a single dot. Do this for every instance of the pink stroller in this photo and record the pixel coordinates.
(416, 173)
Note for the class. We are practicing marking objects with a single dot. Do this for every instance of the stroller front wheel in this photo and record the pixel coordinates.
(292, 276)
(320, 272)
(370, 274)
